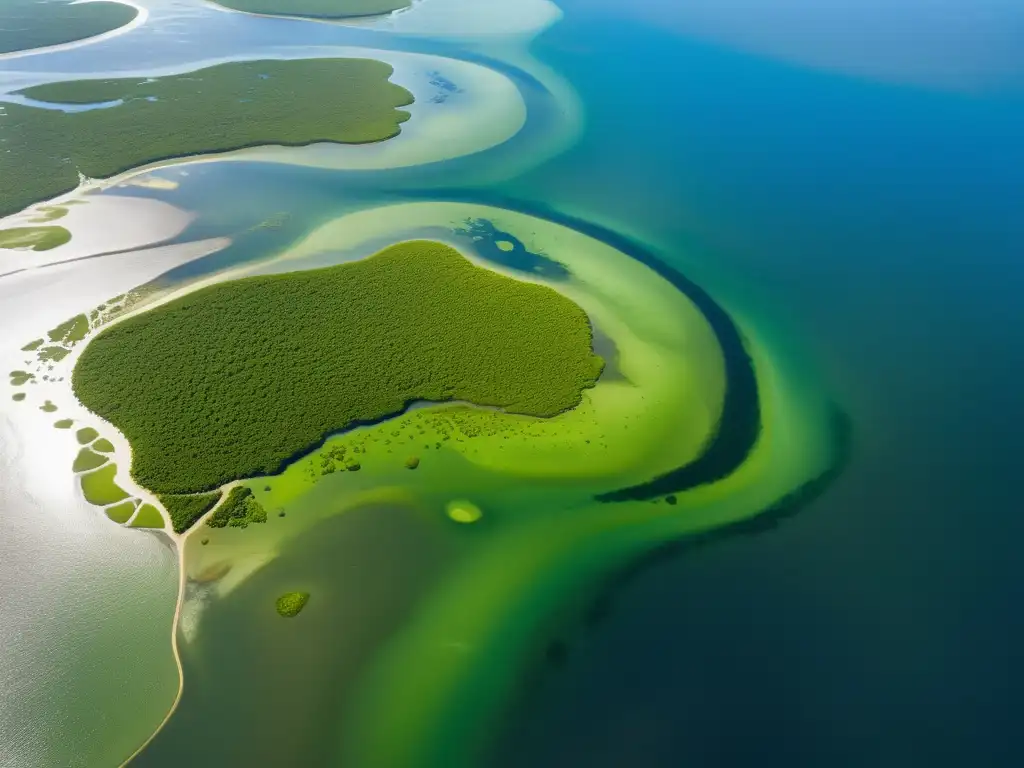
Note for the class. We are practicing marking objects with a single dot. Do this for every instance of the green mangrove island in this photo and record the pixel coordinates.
(29, 24)
(243, 376)
(317, 9)
(218, 109)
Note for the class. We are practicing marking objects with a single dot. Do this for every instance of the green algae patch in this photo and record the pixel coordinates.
(218, 109)
(32, 346)
(317, 9)
(70, 331)
(21, 378)
(18, 397)
(53, 354)
(87, 460)
(413, 462)
(63, 424)
(100, 489)
(148, 516)
(33, 238)
(290, 604)
(86, 435)
(49, 213)
(48, 407)
(103, 446)
(238, 510)
(462, 511)
(185, 510)
(121, 513)
(288, 359)
(30, 24)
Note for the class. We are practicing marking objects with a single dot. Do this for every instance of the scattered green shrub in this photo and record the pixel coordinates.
(291, 604)
(63, 424)
(86, 435)
(20, 378)
(103, 446)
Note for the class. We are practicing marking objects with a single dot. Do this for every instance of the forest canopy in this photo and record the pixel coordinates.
(229, 106)
(237, 379)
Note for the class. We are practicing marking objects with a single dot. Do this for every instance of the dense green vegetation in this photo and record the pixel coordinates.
(291, 604)
(185, 510)
(221, 108)
(121, 513)
(87, 460)
(238, 510)
(242, 376)
(148, 517)
(20, 378)
(34, 238)
(317, 9)
(31, 24)
(86, 435)
(100, 489)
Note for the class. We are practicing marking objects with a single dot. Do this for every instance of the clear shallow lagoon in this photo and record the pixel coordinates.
(872, 230)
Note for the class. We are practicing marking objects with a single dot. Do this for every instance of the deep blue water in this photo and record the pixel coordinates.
(880, 227)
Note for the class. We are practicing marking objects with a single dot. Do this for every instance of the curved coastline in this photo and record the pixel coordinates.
(141, 17)
(489, 113)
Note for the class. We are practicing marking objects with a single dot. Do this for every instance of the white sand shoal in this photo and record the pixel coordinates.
(98, 224)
